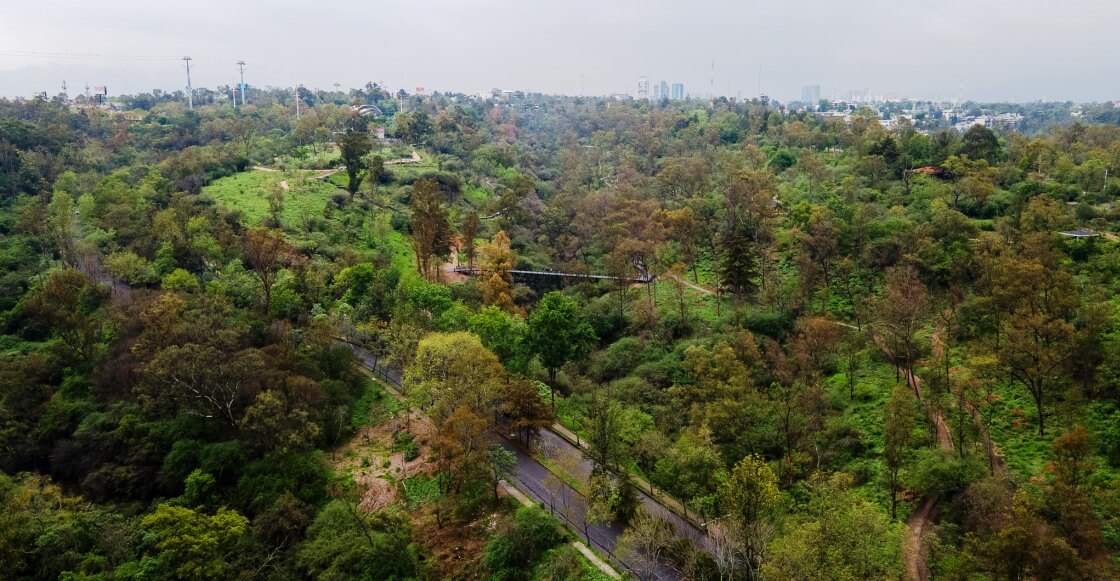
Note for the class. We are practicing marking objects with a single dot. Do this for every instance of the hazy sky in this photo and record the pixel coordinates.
(999, 49)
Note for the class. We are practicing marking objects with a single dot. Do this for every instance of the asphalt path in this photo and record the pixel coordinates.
(564, 501)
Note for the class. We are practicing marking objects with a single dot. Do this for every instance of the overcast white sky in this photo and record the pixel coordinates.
(1019, 50)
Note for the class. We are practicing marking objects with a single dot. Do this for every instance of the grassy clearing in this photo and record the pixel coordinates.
(698, 306)
(365, 230)
(374, 407)
(315, 156)
(249, 193)
(476, 197)
(420, 489)
(1015, 430)
(874, 383)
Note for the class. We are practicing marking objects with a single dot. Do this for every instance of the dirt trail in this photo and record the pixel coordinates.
(692, 286)
(995, 456)
(447, 269)
(914, 551)
(414, 158)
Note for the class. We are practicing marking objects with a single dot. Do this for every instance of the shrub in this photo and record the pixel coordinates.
(511, 553)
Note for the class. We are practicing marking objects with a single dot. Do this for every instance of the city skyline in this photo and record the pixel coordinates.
(572, 48)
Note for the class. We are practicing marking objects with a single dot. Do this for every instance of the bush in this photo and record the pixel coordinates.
(267, 479)
(338, 547)
(936, 471)
(773, 324)
(618, 359)
(511, 553)
(179, 280)
(405, 443)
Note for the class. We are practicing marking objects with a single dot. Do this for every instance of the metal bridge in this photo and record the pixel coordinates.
(644, 278)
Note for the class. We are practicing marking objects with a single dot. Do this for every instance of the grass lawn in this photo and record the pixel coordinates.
(361, 230)
(249, 192)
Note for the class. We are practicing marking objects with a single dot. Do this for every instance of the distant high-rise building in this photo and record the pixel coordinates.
(678, 91)
(643, 87)
(664, 89)
(811, 94)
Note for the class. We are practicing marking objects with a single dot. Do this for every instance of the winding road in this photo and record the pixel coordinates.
(538, 482)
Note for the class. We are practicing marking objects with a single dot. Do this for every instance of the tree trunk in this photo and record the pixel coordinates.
(1038, 406)
(552, 387)
(894, 497)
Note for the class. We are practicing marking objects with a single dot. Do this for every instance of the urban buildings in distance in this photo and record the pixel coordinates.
(659, 90)
(811, 94)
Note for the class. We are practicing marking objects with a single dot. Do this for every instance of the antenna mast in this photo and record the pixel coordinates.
(190, 90)
(712, 81)
(241, 67)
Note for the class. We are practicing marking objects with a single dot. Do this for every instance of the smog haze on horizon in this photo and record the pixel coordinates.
(984, 50)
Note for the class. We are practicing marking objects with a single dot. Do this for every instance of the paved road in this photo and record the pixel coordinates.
(537, 482)
(558, 449)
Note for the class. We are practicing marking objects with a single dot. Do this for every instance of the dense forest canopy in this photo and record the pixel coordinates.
(262, 341)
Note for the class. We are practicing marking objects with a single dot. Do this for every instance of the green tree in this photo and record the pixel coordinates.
(353, 145)
(179, 280)
(738, 264)
(979, 142)
(344, 543)
(840, 536)
(68, 303)
(502, 463)
(266, 250)
(748, 499)
(898, 427)
(375, 170)
(517, 546)
(558, 334)
(431, 231)
(276, 207)
(196, 545)
(900, 311)
(129, 268)
(470, 230)
(414, 127)
(452, 371)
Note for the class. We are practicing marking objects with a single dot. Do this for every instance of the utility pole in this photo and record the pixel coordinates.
(296, 90)
(190, 90)
(241, 67)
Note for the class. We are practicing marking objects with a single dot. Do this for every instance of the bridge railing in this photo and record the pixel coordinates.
(645, 279)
